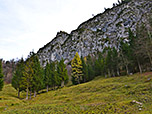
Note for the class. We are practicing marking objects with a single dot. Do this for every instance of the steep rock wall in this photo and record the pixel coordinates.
(103, 30)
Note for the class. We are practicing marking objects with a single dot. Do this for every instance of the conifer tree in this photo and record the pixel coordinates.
(102, 68)
(90, 67)
(17, 77)
(135, 45)
(84, 70)
(97, 67)
(109, 62)
(90, 72)
(76, 64)
(143, 47)
(100, 65)
(115, 61)
(47, 76)
(1, 76)
(55, 79)
(62, 72)
(28, 75)
(126, 55)
(37, 83)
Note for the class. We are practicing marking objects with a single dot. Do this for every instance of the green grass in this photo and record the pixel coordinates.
(100, 96)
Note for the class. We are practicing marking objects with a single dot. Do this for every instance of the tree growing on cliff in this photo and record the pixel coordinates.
(1, 76)
(17, 77)
(76, 64)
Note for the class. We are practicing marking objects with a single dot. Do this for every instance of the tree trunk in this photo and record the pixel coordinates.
(30, 94)
(62, 83)
(127, 69)
(84, 80)
(118, 72)
(113, 74)
(109, 73)
(34, 93)
(105, 75)
(47, 88)
(18, 93)
(53, 86)
(139, 66)
(78, 81)
(27, 93)
(148, 53)
(149, 57)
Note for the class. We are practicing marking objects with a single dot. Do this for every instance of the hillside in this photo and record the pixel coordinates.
(123, 95)
(8, 69)
(103, 30)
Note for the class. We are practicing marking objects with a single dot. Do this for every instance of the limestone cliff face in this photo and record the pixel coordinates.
(103, 30)
(54, 49)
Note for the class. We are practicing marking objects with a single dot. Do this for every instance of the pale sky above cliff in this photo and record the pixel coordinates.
(27, 25)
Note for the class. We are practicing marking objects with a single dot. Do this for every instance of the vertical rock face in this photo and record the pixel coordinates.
(103, 30)
(53, 50)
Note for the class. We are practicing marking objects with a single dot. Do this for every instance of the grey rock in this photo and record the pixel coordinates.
(89, 37)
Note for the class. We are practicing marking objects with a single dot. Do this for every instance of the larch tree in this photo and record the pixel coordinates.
(76, 64)
(1, 76)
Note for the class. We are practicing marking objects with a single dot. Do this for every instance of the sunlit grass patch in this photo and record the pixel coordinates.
(111, 95)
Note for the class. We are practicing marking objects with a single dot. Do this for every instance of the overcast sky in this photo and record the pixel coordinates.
(27, 25)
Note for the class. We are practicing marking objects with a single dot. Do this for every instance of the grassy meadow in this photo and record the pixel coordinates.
(116, 95)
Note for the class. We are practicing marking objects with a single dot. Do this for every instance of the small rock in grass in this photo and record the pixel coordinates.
(131, 74)
(148, 79)
(133, 101)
